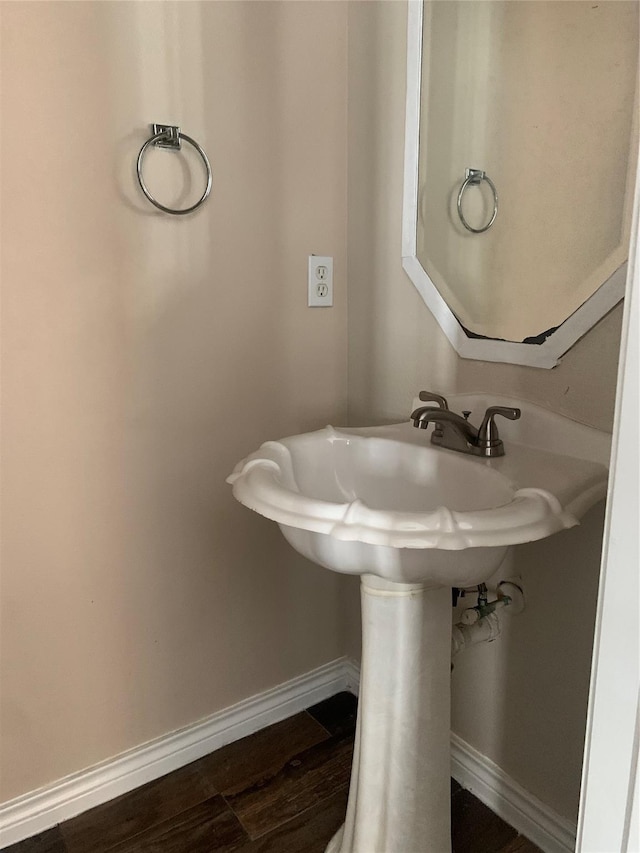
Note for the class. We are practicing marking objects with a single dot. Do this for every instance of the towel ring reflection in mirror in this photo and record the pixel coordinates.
(475, 177)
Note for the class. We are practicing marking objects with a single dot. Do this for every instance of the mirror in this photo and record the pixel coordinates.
(524, 112)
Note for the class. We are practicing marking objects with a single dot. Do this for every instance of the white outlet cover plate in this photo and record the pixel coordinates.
(320, 281)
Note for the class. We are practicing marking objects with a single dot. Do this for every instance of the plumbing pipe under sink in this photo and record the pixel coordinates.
(485, 628)
(483, 631)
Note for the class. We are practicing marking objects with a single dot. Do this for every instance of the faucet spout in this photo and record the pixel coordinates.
(452, 430)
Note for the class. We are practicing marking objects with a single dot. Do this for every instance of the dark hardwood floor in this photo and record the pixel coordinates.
(281, 790)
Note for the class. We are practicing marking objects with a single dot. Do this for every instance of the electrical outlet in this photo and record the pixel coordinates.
(320, 281)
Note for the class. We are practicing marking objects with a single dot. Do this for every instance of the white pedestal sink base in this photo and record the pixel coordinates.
(399, 799)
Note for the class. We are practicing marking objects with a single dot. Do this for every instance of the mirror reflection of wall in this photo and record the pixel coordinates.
(541, 95)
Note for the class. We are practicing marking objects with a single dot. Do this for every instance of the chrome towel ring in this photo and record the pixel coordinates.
(476, 176)
(170, 136)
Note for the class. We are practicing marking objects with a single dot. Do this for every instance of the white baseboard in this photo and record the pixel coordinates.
(509, 800)
(352, 675)
(41, 809)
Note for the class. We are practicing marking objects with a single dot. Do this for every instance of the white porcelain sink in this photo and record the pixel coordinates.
(413, 519)
(383, 500)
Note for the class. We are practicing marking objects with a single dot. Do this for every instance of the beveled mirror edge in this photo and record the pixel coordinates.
(545, 355)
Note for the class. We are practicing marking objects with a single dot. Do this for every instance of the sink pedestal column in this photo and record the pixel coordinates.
(400, 794)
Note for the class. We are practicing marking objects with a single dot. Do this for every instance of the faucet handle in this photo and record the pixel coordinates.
(432, 397)
(488, 433)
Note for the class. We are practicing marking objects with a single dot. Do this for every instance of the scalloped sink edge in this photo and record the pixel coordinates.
(266, 484)
(542, 492)
(318, 482)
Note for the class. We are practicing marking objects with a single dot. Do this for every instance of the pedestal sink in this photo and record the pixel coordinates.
(413, 521)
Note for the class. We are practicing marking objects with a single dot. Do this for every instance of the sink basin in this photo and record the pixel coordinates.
(413, 519)
(383, 500)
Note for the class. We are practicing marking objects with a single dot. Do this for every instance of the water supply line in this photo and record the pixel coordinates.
(482, 623)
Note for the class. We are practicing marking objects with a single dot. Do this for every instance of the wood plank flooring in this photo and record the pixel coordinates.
(281, 790)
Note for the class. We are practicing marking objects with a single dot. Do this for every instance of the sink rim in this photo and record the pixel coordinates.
(265, 482)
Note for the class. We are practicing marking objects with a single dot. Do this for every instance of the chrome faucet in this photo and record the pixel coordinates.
(454, 431)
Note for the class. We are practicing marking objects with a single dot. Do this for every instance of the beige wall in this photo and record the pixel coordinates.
(145, 354)
(521, 703)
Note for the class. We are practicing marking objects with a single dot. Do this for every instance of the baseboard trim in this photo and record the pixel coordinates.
(41, 809)
(509, 800)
